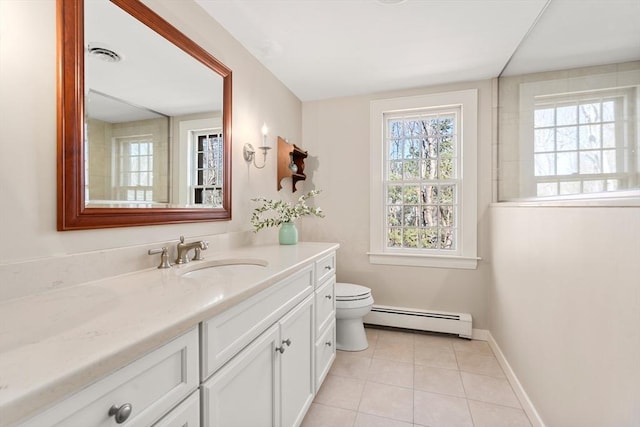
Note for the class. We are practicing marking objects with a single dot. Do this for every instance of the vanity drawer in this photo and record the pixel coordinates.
(152, 385)
(325, 267)
(325, 304)
(225, 335)
(187, 414)
(325, 354)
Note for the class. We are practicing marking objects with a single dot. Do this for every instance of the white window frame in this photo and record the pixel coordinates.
(614, 84)
(465, 255)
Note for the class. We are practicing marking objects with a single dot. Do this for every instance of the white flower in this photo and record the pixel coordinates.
(273, 213)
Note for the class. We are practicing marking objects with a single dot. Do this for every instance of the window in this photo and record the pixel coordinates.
(423, 187)
(135, 168)
(207, 169)
(579, 144)
(570, 137)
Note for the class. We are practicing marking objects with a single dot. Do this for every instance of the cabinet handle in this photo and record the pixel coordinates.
(327, 267)
(280, 349)
(328, 296)
(121, 413)
(287, 342)
(328, 343)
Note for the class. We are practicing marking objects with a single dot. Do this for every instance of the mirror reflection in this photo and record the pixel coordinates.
(153, 118)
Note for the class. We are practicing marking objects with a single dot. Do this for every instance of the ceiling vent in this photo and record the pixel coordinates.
(104, 53)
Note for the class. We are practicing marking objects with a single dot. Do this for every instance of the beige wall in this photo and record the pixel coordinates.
(28, 133)
(564, 305)
(336, 134)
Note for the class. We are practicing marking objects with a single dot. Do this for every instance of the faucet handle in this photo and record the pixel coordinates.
(164, 256)
(204, 245)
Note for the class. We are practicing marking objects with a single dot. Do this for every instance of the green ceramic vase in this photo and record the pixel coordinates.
(288, 234)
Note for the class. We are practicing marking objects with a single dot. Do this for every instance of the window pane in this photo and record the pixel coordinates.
(412, 148)
(609, 135)
(595, 186)
(429, 216)
(567, 138)
(545, 189)
(447, 169)
(447, 147)
(608, 111)
(394, 216)
(447, 239)
(394, 194)
(430, 194)
(545, 164)
(395, 149)
(446, 125)
(411, 170)
(133, 149)
(395, 171)
(394, 238)
(567, 163)
(543, 140)
(143, 149)
(429, 170)
(543, 117)
(589, 137)
(447, 194)
(428, 238)
(589, 113)
(410, 214)
(410, 238)
(566, 115)
(447, 216)
(394, 128)
(609, 161)
(590, 162)
(569, 187)
(411, 195)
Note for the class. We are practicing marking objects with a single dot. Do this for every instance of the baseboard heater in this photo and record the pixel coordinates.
(421, 320)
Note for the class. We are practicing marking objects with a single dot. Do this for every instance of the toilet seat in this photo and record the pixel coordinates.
(351, 292)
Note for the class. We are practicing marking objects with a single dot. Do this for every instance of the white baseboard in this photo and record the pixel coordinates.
(480, 334)
(522, 396)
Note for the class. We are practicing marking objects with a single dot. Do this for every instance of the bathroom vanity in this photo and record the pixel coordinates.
(244, 337)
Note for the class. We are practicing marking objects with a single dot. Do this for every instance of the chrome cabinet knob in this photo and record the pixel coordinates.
(121, 413)
(280, 349)
(328, 296)
(287, 342)
(328, 343)
(327, 267)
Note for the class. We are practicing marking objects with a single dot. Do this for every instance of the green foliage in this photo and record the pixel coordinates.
(273, 213)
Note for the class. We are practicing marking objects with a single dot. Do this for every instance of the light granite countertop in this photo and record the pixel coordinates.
(55, 343)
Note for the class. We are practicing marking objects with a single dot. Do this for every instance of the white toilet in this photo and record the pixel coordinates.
(353, 302)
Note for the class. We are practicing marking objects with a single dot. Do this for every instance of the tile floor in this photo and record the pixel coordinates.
(409, 379)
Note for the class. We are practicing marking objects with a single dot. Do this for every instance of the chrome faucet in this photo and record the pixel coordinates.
(184, 248)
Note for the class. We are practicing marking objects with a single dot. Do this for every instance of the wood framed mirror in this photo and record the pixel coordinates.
(138, 152)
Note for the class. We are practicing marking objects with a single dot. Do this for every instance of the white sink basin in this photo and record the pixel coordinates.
(230, 266)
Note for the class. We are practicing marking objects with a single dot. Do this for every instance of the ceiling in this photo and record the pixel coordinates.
(330, 48)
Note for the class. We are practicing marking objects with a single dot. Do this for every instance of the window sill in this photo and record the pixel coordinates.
(420, 260)
(626, 199)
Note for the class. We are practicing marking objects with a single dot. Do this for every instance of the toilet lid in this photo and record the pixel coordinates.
(351, 292)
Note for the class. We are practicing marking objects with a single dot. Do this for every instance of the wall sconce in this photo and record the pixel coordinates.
(249, 152)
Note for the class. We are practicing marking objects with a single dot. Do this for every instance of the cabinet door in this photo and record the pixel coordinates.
(243, 393)
(296, 339)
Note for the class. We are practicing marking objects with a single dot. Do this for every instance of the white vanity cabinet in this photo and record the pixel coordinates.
(139, 394)
(325, 315)
(269, 383)
(266, 345)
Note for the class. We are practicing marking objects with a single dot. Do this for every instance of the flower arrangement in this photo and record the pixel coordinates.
(273, 213)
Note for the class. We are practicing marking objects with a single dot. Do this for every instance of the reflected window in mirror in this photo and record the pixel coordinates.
(206, 168)
(570, 134)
